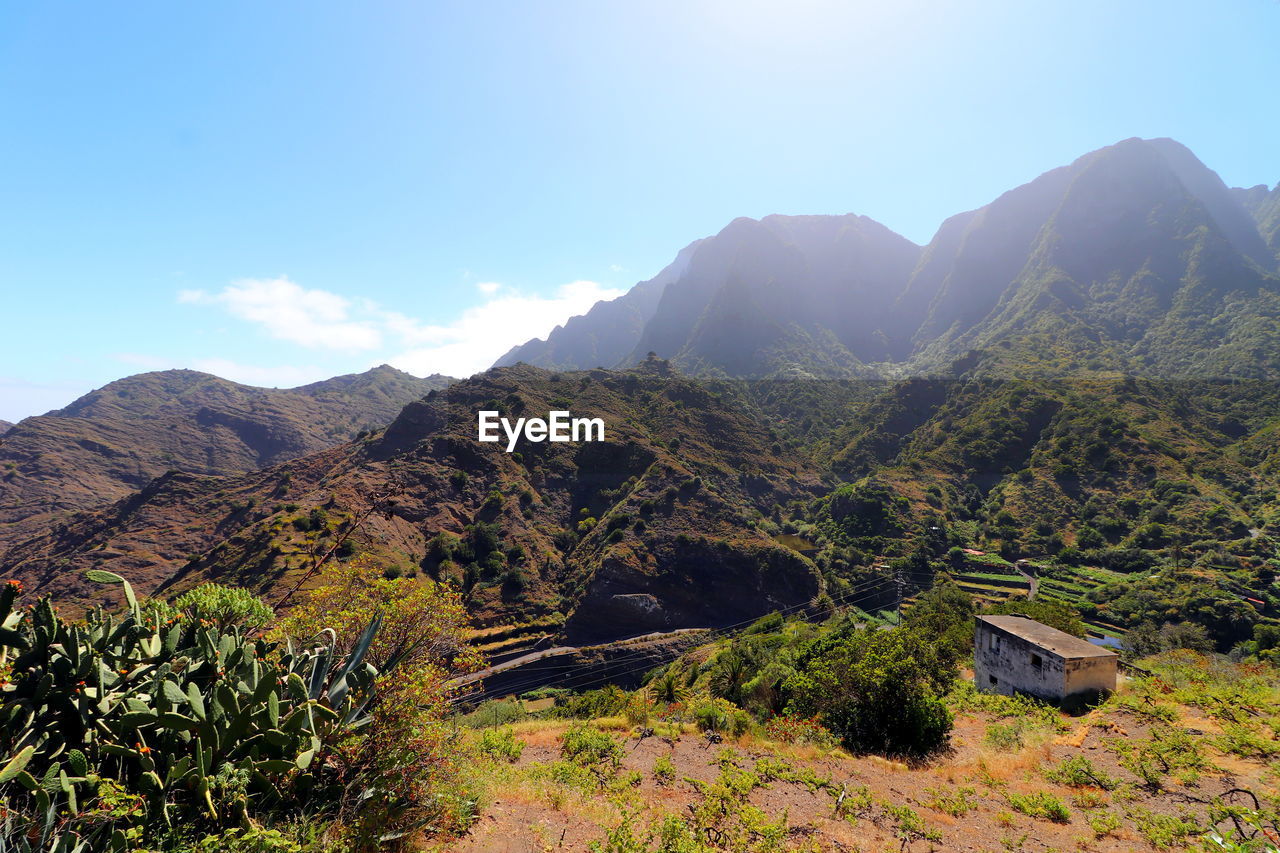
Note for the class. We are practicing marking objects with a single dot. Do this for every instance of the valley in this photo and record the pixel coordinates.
(728, 603)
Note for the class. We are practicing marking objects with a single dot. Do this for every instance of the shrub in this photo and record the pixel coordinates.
(1005, 737)
(1103, 823)
(664, 771)
(1079, 772)
(592, 704)
(722, 716)
(404, 759)
(501, 745)
(791, 729)
(1040, 804)
(156, 721)
(877, 690)
(956, 803)
(224, 607)
(586, 746)
(1164, 830)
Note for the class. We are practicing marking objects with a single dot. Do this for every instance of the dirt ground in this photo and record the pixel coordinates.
(527, 812)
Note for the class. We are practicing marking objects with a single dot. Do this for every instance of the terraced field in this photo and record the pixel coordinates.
(1072, 584)
(990, 579)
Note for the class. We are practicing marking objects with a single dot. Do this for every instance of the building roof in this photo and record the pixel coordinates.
(1060, 643)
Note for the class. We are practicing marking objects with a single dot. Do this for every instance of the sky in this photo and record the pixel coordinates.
(281, 192)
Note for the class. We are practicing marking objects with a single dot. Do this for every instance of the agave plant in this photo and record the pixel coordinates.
(193, 715)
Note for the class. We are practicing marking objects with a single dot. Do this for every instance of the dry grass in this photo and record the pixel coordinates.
(571, 816)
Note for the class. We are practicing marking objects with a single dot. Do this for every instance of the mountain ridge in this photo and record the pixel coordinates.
(628, 535)
(115, 439)
(782, 295)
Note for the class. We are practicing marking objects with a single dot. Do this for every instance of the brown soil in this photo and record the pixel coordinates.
(526, 816)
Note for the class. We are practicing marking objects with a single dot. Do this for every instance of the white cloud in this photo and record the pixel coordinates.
(314, 318)
(289, 312)
(485, 332)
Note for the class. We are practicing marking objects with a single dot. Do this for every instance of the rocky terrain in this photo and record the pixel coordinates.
(645, 531)
(113, 441)
(1083, 371)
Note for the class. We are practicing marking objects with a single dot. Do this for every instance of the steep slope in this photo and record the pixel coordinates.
(786, 293)
(1264, 206)
(655, 528)
(606, 335)
(1142, 261)
(1025, 466)
(1134, 258)
(5, 426)
(804, 294)
(115, 439)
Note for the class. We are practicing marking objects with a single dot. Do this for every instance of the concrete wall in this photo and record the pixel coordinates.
(1092, 674)
(1003, 663)
(1020, 666)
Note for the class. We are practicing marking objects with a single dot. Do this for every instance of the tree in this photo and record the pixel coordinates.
(1146, 639)
(405, 754)
(945, 612)
(878, 690)
(1064, 617)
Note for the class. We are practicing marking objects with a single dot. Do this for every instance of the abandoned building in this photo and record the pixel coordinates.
(1014, 654)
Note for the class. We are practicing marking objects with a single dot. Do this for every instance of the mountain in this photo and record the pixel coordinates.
(655, 528)
(116, 439)
(1264, 206)
(1134, 258)
(744, 301)
(606, 336)
(787, 291)
(1084, 369)
(5, 426)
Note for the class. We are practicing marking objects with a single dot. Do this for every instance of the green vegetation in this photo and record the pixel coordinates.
(877, 690)
(172, 727)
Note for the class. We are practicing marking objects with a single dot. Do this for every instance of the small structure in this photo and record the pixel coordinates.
(1014, 654)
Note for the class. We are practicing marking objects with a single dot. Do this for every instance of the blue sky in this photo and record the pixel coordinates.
(279, 192)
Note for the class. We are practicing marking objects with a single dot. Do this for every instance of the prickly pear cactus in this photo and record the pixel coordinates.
(195, 717)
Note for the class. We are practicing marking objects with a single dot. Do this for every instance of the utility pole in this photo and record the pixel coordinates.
(898, 583)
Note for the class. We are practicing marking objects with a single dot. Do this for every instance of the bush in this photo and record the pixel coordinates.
(224, 607)
(501, 745)
(1040, 804)
(587, 746)
(1079, 772)
(1005, 737)
(664, 771)
(403, 764)
(790, 729)
(722, 716)
(877, 690)
(189, 724)
(592, 704)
